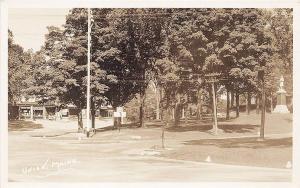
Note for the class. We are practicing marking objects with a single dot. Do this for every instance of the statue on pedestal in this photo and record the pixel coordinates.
(281, 99)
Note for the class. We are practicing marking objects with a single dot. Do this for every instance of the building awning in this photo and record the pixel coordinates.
(25, 107)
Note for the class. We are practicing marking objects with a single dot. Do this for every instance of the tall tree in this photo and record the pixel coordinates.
(242, 46)
(18, 66)
(280, 28)
(125, 45)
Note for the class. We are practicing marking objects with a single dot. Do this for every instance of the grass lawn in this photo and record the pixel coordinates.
(273, 153)
(236, 143)
(21, 125)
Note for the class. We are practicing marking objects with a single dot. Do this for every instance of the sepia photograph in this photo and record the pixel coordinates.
(150, 95)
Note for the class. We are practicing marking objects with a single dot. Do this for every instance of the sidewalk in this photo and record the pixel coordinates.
(64, 127)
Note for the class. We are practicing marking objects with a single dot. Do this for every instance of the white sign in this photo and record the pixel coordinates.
(64, 112)
(119, 114)
(119, 109)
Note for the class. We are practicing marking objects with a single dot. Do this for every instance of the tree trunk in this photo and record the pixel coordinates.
(177, 110)
(232, 99)
(199, 105)
(44, 112)
(271, 103)
(115, 126)
(163, 136)
(263, 110)
(177, 114)
(257, 104)
(184, 111)
(160, 108)
(228, 105)
(248, 103)
(157, 93)
(142, 100)
(185, 114)
(55, 113)
(80, 123)
(166, 117)
(173, 113)
(237, 104)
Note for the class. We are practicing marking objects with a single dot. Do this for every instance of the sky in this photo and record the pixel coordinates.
(29, 26)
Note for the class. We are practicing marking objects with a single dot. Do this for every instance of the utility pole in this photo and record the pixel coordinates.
(88, 122)
(212, 78)
(93, 112)
(215, 125)
(263, 104)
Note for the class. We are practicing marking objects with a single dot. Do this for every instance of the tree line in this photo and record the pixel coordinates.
(173, 50)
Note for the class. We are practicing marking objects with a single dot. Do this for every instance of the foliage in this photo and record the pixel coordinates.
(18, 66)
(173, 48)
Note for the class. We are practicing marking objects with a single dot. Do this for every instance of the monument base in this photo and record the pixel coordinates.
(282, 109)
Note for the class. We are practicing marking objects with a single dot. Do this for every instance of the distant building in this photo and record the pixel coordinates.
(105, 111)
(32, 108)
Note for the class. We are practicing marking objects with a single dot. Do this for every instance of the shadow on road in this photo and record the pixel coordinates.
(21, 125)
(252, 143)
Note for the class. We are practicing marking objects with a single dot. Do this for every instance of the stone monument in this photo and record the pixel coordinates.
(281, 99)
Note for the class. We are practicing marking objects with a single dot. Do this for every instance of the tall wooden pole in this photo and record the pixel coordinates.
(215, 125)
(88, 122)
(93, 113)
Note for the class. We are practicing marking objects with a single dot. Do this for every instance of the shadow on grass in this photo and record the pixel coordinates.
(21, 125)
(191, 125)
(124, 126)
(154, 124)
(252, 143)
(110, 128)
(227, 128)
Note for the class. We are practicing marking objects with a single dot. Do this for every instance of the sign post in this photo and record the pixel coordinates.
(119, 117)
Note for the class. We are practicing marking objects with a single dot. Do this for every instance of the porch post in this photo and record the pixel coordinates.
(31, 112)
